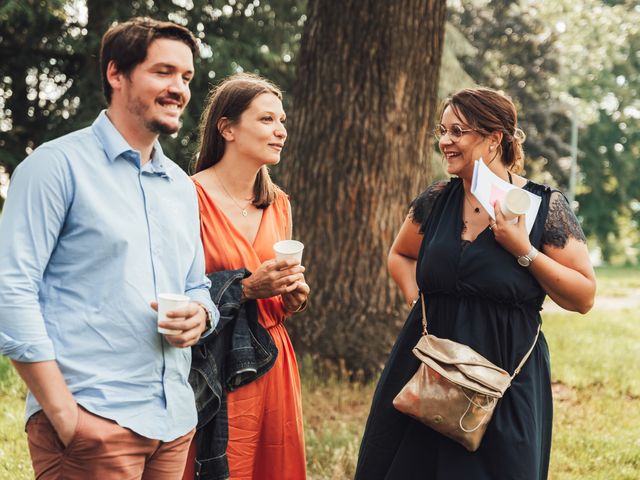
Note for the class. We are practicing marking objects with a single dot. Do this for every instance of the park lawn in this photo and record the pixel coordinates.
(596, 375)
(14, 458)
(618, 281)
(596, 378)
(594, 360)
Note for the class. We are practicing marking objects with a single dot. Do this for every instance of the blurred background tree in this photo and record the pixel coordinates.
(516, 52)
(600, 70)
(360, 149)
(49, 74)
(559, 59)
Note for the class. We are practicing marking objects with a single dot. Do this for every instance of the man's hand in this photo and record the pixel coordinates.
(65, 422)
(190, 320)
(46, 383)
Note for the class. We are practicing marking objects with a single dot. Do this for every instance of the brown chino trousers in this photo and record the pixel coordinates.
(102, 449)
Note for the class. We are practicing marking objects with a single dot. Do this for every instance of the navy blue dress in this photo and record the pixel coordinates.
(476, 294)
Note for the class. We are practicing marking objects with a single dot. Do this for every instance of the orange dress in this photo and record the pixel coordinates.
(266, 438)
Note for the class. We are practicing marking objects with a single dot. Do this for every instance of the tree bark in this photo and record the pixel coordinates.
(359, 151)
(88, 80)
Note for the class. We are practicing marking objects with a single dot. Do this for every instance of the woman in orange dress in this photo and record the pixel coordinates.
(242, 215)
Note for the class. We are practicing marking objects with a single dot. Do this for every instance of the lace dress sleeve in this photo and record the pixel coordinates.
(421, 206)
(561, 224)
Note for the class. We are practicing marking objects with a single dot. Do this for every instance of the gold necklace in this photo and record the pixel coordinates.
(242, 210)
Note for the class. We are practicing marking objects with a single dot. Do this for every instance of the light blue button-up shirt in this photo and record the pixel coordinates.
(88, 238)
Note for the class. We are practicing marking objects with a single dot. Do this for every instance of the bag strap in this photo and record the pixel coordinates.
(520, 365)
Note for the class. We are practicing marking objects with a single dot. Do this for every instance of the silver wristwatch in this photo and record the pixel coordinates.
(525, 260)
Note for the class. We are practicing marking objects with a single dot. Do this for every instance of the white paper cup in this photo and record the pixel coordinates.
(516, 202)
(288, 250)
(166, 303)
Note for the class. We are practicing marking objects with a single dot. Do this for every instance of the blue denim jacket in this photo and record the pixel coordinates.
(237, 352)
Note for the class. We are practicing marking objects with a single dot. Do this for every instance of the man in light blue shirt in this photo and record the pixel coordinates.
(96, 224)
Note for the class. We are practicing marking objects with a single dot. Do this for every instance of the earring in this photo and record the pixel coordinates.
(491, 147)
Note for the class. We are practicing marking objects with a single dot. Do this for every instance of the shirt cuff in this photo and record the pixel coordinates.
(31, 352)
(203, 298)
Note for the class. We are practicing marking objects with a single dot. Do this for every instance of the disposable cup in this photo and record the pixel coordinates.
(166, 303)
(288, 250)
(516, 202)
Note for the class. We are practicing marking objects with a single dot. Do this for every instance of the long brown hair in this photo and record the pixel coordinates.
(229, 100)
(488, 111)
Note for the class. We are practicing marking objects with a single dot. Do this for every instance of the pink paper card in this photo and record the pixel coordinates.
(496, 195)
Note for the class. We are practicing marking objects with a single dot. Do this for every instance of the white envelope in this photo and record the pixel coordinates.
(487, 187)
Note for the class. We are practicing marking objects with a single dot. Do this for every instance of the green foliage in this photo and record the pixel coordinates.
(453, 76)
(49, 77)
(551, 58)
(514, 51)
(29, 59)
(611, 182)
(544, 55)
(600, 68)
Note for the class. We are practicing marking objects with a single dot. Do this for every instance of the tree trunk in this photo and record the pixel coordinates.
(88, 80)
(359, 151)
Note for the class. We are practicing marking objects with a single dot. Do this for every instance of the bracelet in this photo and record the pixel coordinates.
(243, 295)
(301, 308)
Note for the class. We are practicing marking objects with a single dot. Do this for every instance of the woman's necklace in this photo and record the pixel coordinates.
(475, 209)
(243, 210)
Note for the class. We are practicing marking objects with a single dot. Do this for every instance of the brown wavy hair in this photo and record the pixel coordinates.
(488, 111)
(230, 99)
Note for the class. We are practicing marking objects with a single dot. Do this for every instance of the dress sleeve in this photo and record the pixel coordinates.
(561, 223)
(420, 207)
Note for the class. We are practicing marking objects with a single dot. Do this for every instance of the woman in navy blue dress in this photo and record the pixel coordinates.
(484, 282)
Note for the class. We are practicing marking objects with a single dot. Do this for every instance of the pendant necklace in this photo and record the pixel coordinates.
(475, 209)
(242, 210)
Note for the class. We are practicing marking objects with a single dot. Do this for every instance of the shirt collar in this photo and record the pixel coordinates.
(116, 146)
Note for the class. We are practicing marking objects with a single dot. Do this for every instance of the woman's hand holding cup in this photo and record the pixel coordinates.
(295, 301)
(513, 237)
(273, 277)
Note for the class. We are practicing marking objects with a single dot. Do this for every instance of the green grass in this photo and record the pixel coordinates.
(596, 375)
(594, 362)
(14, 458)
(334, 413)
(618, 281)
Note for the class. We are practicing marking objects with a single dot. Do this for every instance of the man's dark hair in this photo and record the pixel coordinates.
(126, 44)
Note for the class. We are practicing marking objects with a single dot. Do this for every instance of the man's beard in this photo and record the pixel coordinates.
(155, 126)
(160, 128)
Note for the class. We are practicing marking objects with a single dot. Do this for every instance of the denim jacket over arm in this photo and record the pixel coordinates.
(237, 352)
